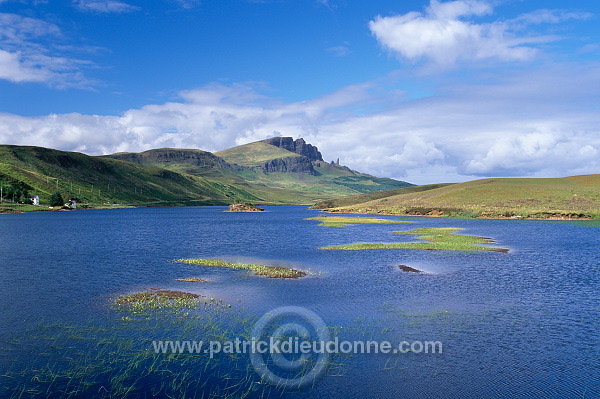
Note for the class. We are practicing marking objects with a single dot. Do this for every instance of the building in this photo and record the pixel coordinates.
(35, 200)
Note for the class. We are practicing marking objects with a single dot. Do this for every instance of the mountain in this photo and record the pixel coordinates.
(568, 197)
(282, 169)
(285, 172)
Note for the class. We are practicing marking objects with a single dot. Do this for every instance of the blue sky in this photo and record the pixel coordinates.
(424, 91)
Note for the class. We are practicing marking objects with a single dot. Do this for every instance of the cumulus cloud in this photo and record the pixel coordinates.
(447, 34)
(26, 54)
(104, 6)
(536, 123)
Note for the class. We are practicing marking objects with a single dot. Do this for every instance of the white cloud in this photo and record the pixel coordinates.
(26, 54)
(339, 51)
(13, 68)
(446, 33)
(536, 123)
(104, 6)
(550, 16)
(187, 4)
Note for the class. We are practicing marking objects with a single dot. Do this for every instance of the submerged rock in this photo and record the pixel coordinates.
(405, 268)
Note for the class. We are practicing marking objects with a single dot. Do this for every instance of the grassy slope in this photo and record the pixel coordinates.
(577, 196)
(102, 180)
(331, 181)
(254, 154)
(211, 168)
(361, 198)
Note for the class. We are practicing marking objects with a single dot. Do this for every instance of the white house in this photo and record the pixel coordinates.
(35, 200)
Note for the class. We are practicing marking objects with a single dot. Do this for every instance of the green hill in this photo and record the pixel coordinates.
(254, 154)
(98, 180)
(361, 198)
(277, 174)
(569, 197)
(170, 176)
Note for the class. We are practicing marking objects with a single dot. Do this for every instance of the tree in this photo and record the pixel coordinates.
(56, 199)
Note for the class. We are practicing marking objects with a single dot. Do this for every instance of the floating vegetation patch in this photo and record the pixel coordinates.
(340, 221)
(193, 280)
(157, 299)
(436, 239)
(259, 270)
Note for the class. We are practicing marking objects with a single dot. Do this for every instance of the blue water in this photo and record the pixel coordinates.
(522, 324)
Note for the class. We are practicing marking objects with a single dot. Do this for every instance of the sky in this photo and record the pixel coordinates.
(425, 91)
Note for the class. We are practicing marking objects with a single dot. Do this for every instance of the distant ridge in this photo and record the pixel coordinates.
(259, 173)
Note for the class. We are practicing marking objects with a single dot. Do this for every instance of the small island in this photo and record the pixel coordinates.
(243, 208)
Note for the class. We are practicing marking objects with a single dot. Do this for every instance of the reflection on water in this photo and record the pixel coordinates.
(521, 324)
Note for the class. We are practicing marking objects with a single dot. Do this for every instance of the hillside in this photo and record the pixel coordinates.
(569, 197)
(254, 154)
(280, 170)
(361, 198)
(97, 180)
(171, 176)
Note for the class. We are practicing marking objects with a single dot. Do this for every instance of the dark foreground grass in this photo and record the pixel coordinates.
(438, 239)
(259, 270)
(340, 221)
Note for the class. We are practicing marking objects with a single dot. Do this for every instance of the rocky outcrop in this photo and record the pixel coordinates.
(244, 208)
(298, 146)
(167, 156)
(290, 165)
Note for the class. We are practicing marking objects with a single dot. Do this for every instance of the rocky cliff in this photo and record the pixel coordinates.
(290, 165)
(166, 156)
(298, 146)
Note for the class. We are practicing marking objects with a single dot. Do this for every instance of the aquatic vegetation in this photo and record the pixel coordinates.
(157, 299)
(193, 280)
(121, 360)
(440, 239)
(258, 270)
(340, 221)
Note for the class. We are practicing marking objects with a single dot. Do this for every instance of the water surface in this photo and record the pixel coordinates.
(518, 324)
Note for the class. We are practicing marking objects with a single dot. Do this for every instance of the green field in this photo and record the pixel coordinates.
(576, 197)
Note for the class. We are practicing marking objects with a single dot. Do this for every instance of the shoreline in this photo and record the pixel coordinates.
(456, 217)
(47, 209)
